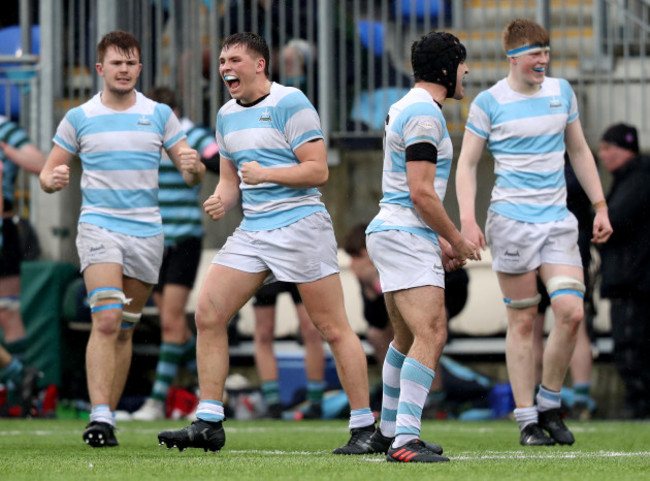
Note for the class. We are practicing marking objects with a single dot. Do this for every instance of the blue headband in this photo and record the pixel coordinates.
(517, 52)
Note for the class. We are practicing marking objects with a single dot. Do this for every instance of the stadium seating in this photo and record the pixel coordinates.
(11, 44)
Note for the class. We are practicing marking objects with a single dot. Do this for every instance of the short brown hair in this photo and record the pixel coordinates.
(123, 41)
(253, 42)
(523, 31)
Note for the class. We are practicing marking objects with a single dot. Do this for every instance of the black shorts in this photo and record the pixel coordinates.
(268, 294)
(180, 264)
(11, 256)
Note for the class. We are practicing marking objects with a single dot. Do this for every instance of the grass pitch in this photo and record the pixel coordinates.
(276, 450)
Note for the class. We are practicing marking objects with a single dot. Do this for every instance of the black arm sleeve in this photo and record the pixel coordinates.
(422, 151)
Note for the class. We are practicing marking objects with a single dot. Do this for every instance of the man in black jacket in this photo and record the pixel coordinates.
(626, 263)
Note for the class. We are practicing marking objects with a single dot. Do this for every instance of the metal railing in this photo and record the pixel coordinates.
(356, 56)
(357, 59)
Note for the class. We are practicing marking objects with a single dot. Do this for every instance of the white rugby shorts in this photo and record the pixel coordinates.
(140, 257)
(519, 247)
(405, 260)
(304, 251)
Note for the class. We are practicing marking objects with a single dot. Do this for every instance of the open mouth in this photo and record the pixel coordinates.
(538, 69)
(232, 81)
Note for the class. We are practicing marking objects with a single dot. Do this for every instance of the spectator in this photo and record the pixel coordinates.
(183, 230)
(626, 264)
(16, 152)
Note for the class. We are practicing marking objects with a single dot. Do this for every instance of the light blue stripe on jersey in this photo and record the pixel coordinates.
(443, 165)
(481, 133)
(138, 160)
(443, 168)
(379, 225)
(526, 134)
(267, 133)
(125, 226)
(518, 110)
(511, 179)
(413, 119)
(273, 192)
(401, 198)
(277, 219)
(180, 214)
(301, 139)
(179, 202)
(62, 143)
(12, 134)
(199, 138)
(265, 157)
(415, 109)
(530, 212)
(120, 150)
(120, 199)
(537, 145)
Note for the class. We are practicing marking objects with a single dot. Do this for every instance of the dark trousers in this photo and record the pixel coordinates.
(631, 334)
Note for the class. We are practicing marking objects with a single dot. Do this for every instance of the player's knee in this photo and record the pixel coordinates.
(130, 319)
(334, 333)
(520, 304)
(209, 319)
(569, 315)
(560, 286)
(107, 322)
(521, 322)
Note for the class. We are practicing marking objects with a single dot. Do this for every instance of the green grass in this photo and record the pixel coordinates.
(270, 450)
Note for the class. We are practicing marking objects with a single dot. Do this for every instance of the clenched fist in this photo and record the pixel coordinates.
(190, 161)
(214, 208)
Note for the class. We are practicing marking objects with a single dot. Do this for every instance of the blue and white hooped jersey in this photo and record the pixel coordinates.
(268, 132)
(414, 119)
(525, 134)
(12, 134)
(120, 154)
(179, 202)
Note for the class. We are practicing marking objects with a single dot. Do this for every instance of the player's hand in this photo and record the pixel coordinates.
(190, 161)
(252, 173)
(602, 227)
(59, 178)
(473, 233)
(214, 208)
(465, 249)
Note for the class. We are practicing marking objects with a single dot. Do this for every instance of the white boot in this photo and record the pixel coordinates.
(151, 410)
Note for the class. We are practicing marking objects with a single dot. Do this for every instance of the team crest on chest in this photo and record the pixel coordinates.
(555, 103)
(143, 120)
(265, 116)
